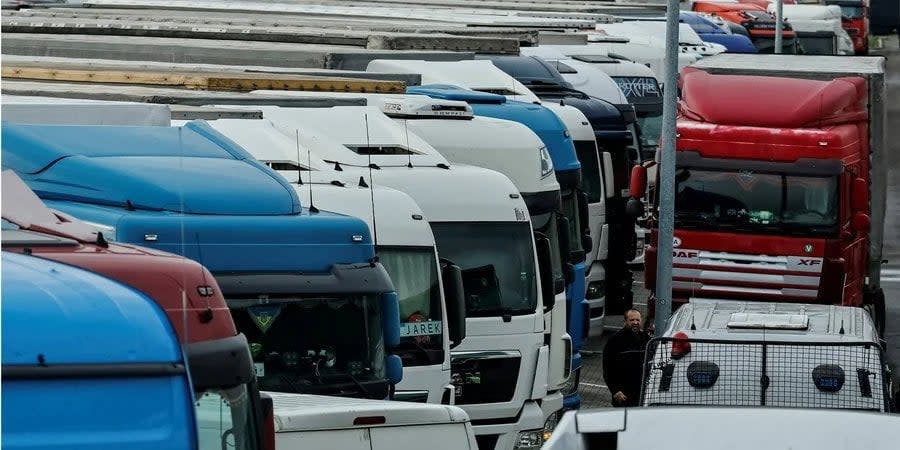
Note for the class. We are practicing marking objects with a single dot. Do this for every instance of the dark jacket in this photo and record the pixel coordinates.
(623, 361)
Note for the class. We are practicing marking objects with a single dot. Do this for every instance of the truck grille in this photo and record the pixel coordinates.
(485, 377)
(724, 274)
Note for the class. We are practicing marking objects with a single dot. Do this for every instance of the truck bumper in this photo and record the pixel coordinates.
(531, 418)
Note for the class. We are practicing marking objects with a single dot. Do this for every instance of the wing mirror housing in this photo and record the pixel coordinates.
(859, 195)
(545, 266)
(454, 296)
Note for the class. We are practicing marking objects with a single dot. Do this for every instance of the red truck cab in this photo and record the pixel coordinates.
(855, 19)
(771, 197)
(760, 24)
(229, 407)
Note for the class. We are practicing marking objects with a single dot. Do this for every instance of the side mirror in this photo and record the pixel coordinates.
(609, 184)
(545, 266)
(267, 419)
(633, 154)
(220, 363)
(584, 211)
(390, 319)
(454, 297)
(393, 369)
(860, 222)
(565, 243)
(634, 208)
(638, 181)
(859, 195)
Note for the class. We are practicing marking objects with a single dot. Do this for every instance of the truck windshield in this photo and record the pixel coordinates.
(497, 259)
(570, 210)
(849, 9)
(650, 127)
(547, 225)
(590, 170)
(225, 420)
(303, 344)
(413, 271)
(756, 202)
(817, 45)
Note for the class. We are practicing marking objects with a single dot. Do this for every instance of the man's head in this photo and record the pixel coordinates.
(633, 320)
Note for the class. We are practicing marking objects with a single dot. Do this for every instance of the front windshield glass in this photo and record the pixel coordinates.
(817, 45)
(497, 260)
(414, 274)
(849, 11)
(548, 226)
(756, 202)
(650, 126)
(570, 210)
(225, 419)
(592, 181)
(311, 344)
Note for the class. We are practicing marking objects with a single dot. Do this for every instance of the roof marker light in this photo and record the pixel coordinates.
(151, 237)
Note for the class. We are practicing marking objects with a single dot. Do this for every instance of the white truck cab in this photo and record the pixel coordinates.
(481, 223)
(739, 353)
(314, 422)
(603, 44)
(818, 28)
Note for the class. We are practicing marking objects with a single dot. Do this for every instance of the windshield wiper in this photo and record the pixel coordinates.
(360, 386)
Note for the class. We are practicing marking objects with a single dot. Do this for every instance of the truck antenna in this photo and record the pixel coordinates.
(299, 169)
(184, 300)
(371, 183)
(408, 150)
(312, 207)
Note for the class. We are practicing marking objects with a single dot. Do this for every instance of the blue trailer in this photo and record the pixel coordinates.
(572, 207)
(304, 286)
(88, 363)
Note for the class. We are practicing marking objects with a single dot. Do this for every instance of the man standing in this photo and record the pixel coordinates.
(623, 361)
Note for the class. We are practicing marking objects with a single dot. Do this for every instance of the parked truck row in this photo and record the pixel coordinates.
(423, 241)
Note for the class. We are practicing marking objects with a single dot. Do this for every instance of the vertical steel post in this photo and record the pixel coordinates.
(779, 25)
(666, 186)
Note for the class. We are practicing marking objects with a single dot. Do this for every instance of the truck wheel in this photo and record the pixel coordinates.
(874, 304)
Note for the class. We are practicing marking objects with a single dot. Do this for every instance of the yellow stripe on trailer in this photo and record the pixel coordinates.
(209, 81)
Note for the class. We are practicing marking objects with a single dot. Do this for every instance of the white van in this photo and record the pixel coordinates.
(739, 353)
(315, 422)
(720, 428)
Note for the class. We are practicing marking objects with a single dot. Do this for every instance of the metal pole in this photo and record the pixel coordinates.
(779, 25)
(666, 184)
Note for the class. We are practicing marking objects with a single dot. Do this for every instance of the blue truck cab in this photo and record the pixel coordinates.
(319, 311)
(572, 209)
(88, 363)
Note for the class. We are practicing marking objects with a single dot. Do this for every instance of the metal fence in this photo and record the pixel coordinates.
(765, 373)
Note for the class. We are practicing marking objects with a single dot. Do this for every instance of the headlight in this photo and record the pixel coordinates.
(595, 290)
(529, 440)
(546, 163)
(550, 425)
